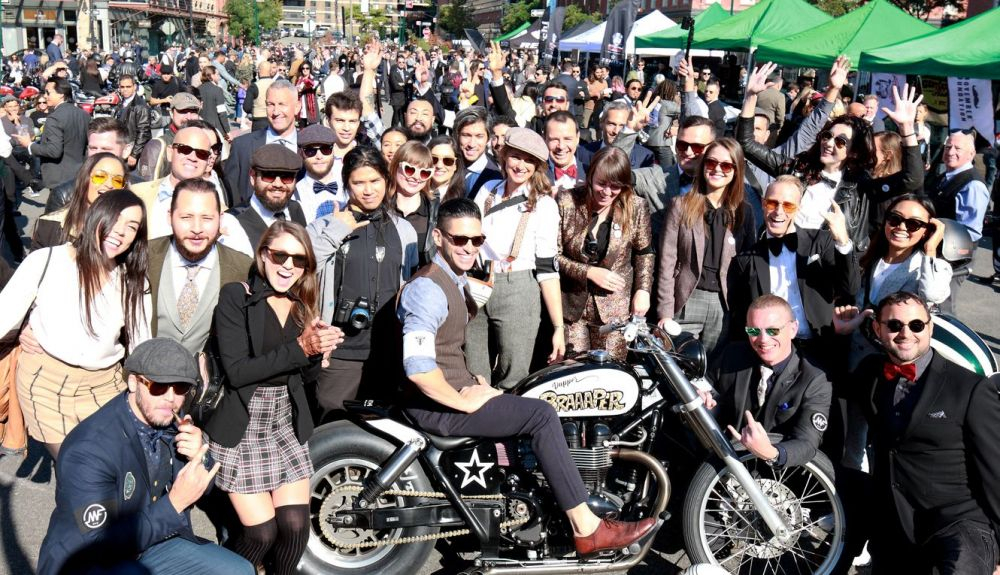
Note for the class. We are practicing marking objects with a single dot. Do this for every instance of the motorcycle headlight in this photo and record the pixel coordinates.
(687, 351)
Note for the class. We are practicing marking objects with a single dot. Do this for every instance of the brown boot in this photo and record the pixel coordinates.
(611, 535)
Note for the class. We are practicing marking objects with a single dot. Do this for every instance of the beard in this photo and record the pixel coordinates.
(195, 256)
(271, 204)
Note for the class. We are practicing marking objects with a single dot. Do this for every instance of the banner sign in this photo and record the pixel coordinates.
(971, 105)
(882, 84)
(618, 27)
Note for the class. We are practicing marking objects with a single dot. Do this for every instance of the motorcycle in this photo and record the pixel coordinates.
(384, 491)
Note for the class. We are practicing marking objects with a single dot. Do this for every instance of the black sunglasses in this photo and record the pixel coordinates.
(557, 99)
(324, 149)
(460, 241)
(285, 177)
(840, 141)
(186, 150)
(157, 389)
(279, 258)
(893, 219)
(896, 326)
(696, 149)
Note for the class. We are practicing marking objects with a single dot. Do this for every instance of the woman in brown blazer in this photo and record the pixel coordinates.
(606, 254)
(704, 229)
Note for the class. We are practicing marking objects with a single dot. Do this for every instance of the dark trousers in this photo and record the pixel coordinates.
(398, 110)
(509, 416)
(963, 548)
(9, 233)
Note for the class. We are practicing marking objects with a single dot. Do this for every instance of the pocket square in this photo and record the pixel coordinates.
(812, 258)
(937, 415)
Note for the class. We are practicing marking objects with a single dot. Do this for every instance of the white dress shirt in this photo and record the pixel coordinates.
(540, 238)
(785, 284)
(816, 201)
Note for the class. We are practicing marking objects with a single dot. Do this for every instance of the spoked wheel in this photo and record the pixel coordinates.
(722, 526)
(342, 465)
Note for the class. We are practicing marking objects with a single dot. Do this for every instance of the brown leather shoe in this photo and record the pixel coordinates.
(611, 535)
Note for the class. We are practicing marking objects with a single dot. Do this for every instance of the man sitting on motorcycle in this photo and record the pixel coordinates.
(434, 308)
(765, 386)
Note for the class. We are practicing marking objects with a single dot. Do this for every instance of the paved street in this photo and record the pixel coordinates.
(27, 485)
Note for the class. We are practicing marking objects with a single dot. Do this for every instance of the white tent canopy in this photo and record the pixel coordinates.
(590, 41)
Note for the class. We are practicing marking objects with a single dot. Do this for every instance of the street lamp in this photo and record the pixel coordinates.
(39, 17)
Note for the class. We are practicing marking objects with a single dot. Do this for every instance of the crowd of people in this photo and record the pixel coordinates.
(242, 203)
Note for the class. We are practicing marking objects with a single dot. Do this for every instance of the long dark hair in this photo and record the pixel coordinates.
(76, 211)
(456, 188)
(860, 159)
(692, 204)
(365, 157)
(92, 263)
(880, 243)
(305, 292)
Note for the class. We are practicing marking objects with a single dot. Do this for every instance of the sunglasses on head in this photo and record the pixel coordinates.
(771, 331)
(446, 160)
(410, 171)
(839, 141)
(268, 177)
(98, 177)
(186, 150)
(461, 241)
(893, 219)
(279, 258)
(726, 167)
(157, 389)
(324, 149)
(696, 149)
(896, 326)
(557, 99)
(789, 207)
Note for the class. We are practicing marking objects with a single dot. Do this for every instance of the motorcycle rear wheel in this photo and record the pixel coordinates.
(344, 455)
(721, 526)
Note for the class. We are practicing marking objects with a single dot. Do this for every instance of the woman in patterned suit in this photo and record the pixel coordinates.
(606, 256)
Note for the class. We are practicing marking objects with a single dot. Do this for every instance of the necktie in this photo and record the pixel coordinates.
(791, 241)
(765, 378)
(280, 216)
(319, 188)
(570, 171)
(188, 300)
(283, 142)
(891, 371)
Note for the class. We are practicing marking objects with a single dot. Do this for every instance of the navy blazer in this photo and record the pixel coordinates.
(236, 168)
(583, 156)
(108, 508)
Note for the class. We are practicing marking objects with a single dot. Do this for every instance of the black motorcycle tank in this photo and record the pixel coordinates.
(584, 387)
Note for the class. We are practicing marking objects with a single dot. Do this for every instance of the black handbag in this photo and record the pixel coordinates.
(211, 385)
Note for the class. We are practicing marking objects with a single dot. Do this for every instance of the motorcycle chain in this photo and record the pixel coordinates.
(329, 532)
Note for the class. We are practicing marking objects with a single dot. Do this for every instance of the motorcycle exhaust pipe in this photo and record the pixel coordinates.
(561, 567)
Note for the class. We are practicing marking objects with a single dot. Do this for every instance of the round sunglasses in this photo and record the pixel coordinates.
(839, 141)
(99, 177)
(896, 325)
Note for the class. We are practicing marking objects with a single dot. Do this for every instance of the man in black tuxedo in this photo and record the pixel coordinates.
(765, 386)
(63, 145)
(934, 432)
(809, 269)
(282, 104)
(399, 83)
(273, 171)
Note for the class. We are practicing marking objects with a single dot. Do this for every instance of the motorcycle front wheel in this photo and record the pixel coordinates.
(722, 527)
(344, 456)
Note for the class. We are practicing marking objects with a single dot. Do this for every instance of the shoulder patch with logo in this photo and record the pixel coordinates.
(93, 515)
(129, 488)
(819, 422)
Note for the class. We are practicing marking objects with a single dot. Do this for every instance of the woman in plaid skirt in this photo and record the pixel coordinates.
(270, 343)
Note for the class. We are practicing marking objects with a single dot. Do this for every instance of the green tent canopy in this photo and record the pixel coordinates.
(969, 49)
(876, 24)
(513, 32)
(675, 36)
(764, 22)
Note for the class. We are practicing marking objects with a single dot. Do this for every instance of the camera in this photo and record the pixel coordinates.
(357, 313)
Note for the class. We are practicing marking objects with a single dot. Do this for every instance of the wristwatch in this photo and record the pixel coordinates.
(773, 461)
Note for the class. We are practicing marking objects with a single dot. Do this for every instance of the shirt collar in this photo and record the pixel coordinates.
(293, 139)
(958, 170)
(179, 261)
(265, 214)
(479, 165)
(922, 363)
(779, 368)
(460, 280)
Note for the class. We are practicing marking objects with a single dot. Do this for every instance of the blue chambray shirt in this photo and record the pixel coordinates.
(423, 306)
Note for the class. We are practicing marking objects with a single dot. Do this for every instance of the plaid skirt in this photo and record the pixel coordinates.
(269, 455)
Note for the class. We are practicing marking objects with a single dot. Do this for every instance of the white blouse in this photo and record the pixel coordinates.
(540, 239)
(59, 318)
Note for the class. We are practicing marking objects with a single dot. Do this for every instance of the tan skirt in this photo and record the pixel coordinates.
(55, 396)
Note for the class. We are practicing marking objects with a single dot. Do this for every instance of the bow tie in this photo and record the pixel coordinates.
(320, 188)
(891, 371)
(570, 171)
(791, 241)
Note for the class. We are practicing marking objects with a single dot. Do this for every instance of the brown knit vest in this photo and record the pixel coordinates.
(450, 339)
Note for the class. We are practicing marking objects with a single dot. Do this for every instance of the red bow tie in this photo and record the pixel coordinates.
(891, 371)
(570, 171)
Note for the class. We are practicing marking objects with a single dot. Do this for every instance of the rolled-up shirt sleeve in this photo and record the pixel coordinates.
(971, 205)
(423, 308)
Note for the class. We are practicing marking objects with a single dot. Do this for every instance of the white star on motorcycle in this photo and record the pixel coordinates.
(474, 463)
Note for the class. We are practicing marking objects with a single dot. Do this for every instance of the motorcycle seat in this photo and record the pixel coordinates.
(440, 442)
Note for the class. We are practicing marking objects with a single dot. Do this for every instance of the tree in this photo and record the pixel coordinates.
(575, 16)
(372, 22)
(456, 17)
(837, 8)
(517, 13)
(243, 23)
(922, 8)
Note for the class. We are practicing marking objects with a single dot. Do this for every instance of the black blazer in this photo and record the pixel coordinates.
(63, 145)
(945, 466)
(797, 405)
(399, 83)
(254, 225)
(236, 168)
(238, 331)
(824, 276)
